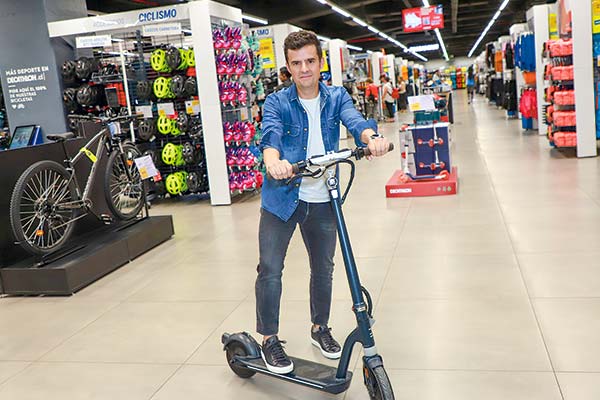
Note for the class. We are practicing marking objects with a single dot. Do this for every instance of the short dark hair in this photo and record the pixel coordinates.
(284, 71)
(297, 40)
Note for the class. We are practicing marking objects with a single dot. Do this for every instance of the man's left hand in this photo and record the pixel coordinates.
(378, 146)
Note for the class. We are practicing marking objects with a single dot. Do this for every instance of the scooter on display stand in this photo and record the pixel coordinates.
(243, 352)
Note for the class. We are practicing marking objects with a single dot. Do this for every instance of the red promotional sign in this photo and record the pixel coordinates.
(423, 19)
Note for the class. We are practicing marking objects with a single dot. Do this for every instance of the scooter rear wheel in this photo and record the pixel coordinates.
(238, 349)
(377, 383)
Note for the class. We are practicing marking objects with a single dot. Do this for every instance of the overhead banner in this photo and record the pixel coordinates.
(423, 19)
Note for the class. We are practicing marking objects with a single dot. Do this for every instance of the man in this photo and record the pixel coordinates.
(298, 123)
(388, 100)
(286, 79)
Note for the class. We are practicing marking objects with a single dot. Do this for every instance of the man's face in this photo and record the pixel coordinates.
(305, 66)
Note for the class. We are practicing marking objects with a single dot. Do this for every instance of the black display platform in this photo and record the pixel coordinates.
(93, 258)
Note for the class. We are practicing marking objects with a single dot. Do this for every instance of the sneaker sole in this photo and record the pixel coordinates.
(331, 356)
(277, 370)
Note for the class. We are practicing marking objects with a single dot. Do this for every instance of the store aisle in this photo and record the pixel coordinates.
(491, 294)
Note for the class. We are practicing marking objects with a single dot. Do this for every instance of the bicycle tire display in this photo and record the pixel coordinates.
(124, 195)
(38, 223)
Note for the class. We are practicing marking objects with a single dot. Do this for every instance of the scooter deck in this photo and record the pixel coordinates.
(307, 373)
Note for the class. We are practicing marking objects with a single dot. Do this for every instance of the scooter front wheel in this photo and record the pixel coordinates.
(377, 383)
(233, 349)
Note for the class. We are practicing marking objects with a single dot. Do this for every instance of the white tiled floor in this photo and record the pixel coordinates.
(490, 294)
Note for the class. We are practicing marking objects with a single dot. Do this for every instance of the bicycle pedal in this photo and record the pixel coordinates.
(107, 219)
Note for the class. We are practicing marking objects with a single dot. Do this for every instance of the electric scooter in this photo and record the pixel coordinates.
(244, 353)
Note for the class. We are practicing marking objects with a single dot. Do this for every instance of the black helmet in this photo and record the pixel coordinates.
(144, 90)
(86, 96)
(195, 127)
(189, 153)
(146, 129)
(84, 68)
(193, 182)
(177, 85)
(68, 71)
(160, 188)
(70, 99)
(190, 87)
(173, 57)
(109, 69)
(183, 122)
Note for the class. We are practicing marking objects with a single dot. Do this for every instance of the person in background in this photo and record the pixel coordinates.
(286, 79)
(371, 96)
(386, 93)
(403, 98)
(470, 84)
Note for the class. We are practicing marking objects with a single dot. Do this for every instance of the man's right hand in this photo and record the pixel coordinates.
(280, 169)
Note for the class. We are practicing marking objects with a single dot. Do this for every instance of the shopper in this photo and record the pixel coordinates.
(371, 96)
(286, 79)
(387, 90)
(470, 84)
(300, 122)
(403, 97)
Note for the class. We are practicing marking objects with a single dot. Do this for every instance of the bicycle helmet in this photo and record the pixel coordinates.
(190, 87)
(182, 122)
(189, 153)
(169, 154)
(146, 129)
(84, 68)
(160, 188)
(191, 58)
(144, 90)
(193, 182)
(164, 124)
(87, 95)
(184, 61)
(195, 128)
(182, 175)
(70, 99)
(173, 57)
(109, 69)
(158, 61)
(177, 85)
(161, 87)
(174, 129)
(68, 71)
(173, 184)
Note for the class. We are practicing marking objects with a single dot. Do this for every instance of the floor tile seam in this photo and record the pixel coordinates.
(85, 326)
(104, 362)
(14, 375)
(527, 290)
(588, 194)
(162, 385)
(475, 370)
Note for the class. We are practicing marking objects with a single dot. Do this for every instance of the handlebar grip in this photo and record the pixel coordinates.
(295, 168)
(367, 152)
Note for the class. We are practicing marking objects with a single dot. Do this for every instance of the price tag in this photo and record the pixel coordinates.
(244, 114)
(146, 167)
(146, 111)
(167, 109)
(192, 107)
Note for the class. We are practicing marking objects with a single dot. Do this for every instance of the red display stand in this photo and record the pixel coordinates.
(395, 187)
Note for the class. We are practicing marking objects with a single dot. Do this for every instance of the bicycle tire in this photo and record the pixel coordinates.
(119, 189)
(43, 179)
(381, 387)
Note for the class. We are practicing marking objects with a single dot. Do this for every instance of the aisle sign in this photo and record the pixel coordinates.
(84, 42)
(172, 28)
(267, 53)
(423, 18)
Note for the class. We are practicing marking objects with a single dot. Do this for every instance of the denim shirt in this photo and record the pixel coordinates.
(285, 128)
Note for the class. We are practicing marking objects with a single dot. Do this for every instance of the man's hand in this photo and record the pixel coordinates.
(280, 169)
(378, 146)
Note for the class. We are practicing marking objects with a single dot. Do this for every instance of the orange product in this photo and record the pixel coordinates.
(498, 61)
(529, 77)
(565, 139)
(564, 97)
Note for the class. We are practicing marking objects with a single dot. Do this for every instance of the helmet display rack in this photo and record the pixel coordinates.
(181, 26)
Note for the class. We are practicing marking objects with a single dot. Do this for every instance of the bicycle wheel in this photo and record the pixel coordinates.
(124, 195)
(377, 383)
(39, 223)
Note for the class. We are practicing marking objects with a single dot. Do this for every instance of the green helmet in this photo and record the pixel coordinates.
(161, 87)
(158, 61)
(164, 124)
(169, 154)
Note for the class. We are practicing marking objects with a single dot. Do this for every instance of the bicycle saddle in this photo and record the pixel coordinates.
(59, 137)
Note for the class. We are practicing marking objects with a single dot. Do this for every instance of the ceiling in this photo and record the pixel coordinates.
(463, 22)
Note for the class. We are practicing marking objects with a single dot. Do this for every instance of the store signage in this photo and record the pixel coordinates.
(146, 111)
(25, 85)
(146, 167)
(158, 15)
(262, 32)
(84, 42)
(267, 53)
(167, 109)
(172, 28)
(192, 107)
(421, 103)
(595, 16)
(423, 19)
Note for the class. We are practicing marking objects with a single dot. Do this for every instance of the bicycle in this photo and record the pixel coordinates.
(47, 199)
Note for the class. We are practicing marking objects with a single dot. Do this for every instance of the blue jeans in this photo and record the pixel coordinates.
(318, 228)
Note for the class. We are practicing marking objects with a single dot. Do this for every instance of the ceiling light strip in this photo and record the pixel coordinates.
(439, 35)
(376, 31)
(488, 27)
(255, 19)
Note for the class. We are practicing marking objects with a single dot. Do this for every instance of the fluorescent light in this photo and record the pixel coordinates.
(323, 38)
(360, 22)
(442, 44)
(340, 11)
(426, 3)
(425, 47)
(488, 27)
(369, 52)
(351, 47)
(255, 19)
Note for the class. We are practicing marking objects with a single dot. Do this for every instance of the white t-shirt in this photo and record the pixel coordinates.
(387, 90)
(314, 190)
